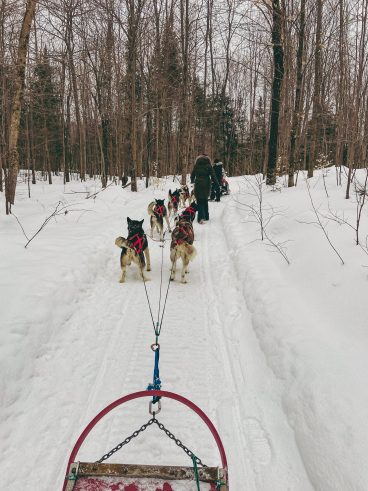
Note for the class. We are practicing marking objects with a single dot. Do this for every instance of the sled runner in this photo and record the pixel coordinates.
(99, 476)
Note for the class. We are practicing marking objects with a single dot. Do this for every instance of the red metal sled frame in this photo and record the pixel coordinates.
(137, 395)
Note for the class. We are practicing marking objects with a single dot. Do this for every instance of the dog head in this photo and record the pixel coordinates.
(160, 202)
(135, 227)
(174, 197)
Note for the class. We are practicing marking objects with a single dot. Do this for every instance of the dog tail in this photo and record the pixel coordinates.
(120, 242)
(150, 208)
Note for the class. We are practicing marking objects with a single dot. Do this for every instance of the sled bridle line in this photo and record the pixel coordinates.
(156, 381)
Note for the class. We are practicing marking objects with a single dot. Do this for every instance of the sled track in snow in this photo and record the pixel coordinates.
(218, 325)
(255, 415)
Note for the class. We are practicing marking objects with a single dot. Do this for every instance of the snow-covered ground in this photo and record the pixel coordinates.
(274, 353)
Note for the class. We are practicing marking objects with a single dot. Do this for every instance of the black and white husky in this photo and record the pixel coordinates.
(157, 212)
(189, 213)
(134, 249)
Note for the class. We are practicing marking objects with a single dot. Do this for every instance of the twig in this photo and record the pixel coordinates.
(55, 212)
(58, 211)
(21, 226)
(320, 223)
(278, 246)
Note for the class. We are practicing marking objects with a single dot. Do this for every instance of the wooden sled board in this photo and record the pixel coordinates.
(128, 477)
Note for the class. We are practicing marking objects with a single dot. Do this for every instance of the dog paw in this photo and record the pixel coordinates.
(149, 269)
(122, 280)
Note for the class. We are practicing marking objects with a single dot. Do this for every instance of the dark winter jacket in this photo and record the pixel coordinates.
(201, 176)
(218, 168)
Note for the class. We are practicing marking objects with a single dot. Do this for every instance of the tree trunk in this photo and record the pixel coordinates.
(298, 103)
(278, 57)
(317, 106)
(11, 179)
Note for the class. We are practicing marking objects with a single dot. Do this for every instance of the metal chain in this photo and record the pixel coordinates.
(165, 430)
(126, 441)
(179, 443)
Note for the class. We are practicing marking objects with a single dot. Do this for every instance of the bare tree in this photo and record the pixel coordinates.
(19, 77)
(278, 73)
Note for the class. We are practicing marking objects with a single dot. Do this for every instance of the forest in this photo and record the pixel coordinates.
(128, 89)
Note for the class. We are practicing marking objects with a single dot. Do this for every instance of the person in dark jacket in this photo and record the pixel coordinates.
(201, 177)
(218, 170)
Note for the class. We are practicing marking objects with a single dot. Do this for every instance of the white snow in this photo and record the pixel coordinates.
(273, 353)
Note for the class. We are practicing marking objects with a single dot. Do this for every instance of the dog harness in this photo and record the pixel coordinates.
(159, 210)
(174, 201)
(189, 211)
(138, 244)
(184, 234)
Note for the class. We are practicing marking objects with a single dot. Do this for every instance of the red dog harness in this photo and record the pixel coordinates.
(138, 244)
(182, 234)
(159, 210)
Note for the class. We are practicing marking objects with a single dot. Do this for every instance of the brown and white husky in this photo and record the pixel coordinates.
(157, 212)
(134, 249)
(174, 198)
(182, 239)
(184, 196)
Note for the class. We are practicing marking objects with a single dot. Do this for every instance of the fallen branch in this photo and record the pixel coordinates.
(76, 192)
(103, 189)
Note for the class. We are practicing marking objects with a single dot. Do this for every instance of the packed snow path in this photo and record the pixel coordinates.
(82, 340)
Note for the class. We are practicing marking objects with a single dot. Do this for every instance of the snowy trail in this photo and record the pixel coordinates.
(264, 440)
(276, 377)
(106, 338)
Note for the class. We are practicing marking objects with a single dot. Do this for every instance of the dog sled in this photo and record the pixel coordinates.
(101, 476)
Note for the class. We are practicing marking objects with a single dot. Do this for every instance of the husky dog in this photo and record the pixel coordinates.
(184, 195)
(134, 248)
(192, 197)
(174, 201)
(189, 213)
(182, 239)
(157, 212)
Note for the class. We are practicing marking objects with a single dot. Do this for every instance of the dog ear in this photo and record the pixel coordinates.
(128, 220)
(141, 222)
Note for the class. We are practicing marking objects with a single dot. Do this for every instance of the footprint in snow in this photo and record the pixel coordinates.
(258, 440)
